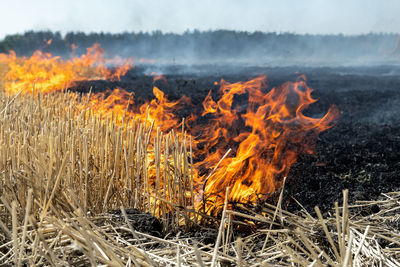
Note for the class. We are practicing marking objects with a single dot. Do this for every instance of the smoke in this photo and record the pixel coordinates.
(223, 47)
(313, 16)
(314, 32)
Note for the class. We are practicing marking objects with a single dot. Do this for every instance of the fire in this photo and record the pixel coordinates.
(49, 73)
(113, 103)
(162, 111)
(119, 103)
(160, 77)
(264, 131)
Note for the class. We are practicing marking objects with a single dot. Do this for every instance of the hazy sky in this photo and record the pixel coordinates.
(307, 16)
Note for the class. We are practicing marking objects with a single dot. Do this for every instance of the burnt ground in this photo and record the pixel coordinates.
(360, 153)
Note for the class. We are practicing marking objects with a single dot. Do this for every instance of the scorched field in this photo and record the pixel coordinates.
(106, 163)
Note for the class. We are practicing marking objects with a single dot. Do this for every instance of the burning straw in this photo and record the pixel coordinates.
(62, 168)
(67, 164)
(266, 131)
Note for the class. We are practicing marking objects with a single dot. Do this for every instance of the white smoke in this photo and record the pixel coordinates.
(312, 16)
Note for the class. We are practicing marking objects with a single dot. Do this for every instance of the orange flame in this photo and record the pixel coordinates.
(160, 77)
(111, 103)
(266, 136)
(162, 111)
(51, 73)
(159, 111)
(266, 129)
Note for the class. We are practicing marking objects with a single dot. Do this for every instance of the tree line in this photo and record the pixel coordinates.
(206, 44)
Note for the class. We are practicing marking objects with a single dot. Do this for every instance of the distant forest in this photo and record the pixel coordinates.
(213, 45)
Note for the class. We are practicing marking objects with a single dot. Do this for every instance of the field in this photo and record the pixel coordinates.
(360, 153)
(83, 186)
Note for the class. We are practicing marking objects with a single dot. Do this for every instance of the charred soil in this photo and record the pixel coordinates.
(360, 153)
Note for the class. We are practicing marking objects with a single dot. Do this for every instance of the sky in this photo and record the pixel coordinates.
(307, 16)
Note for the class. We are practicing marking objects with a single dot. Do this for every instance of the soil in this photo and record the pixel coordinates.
(143, 222)
(360, 153)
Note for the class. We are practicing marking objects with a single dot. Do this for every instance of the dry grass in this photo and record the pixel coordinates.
(62, 168)
(54, 146)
